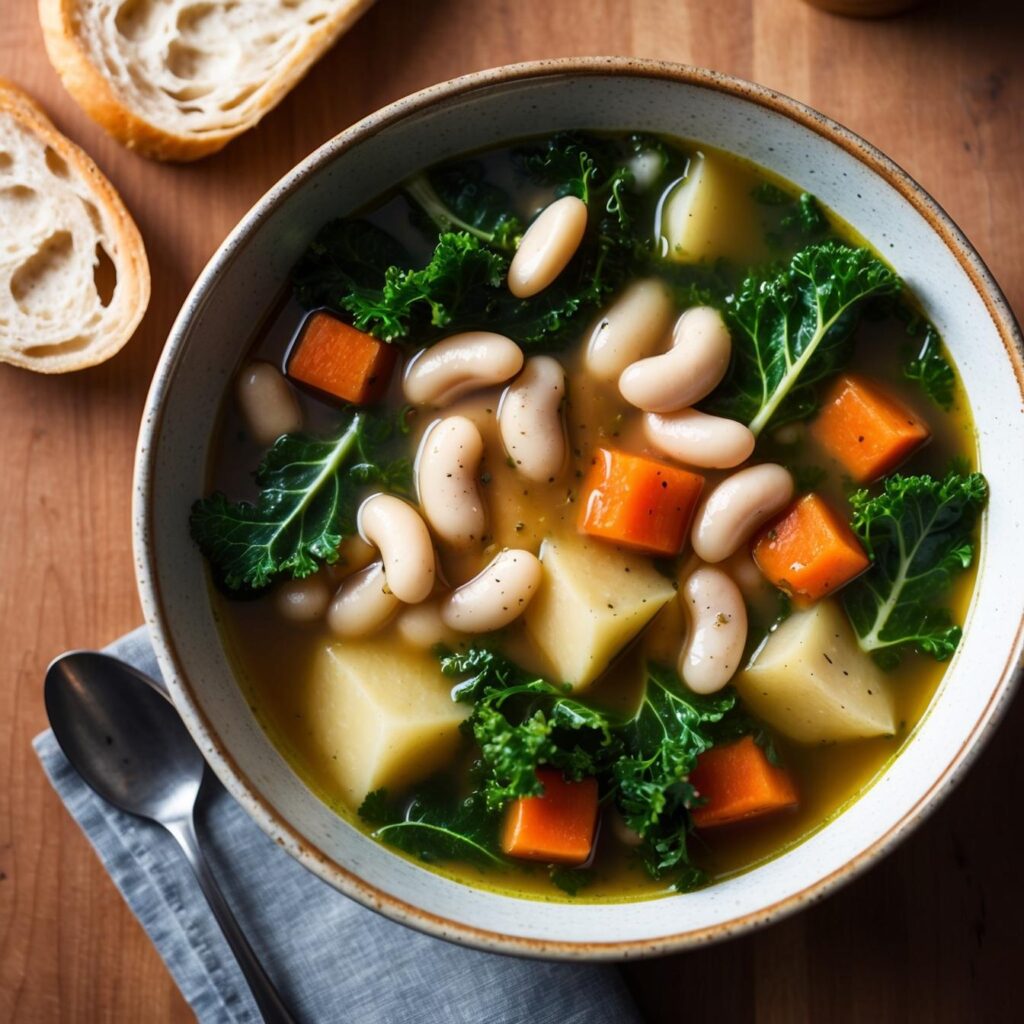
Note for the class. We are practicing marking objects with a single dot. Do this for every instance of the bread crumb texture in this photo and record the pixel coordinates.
(74, 281)
(178, 80)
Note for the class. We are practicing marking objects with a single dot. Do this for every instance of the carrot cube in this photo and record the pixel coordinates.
(556, 827)
(808, 551)
(866, 430)
(340, 361)
(639, 502)
(737, 781)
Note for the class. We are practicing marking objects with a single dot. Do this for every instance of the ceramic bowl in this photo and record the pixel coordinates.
(220, 316)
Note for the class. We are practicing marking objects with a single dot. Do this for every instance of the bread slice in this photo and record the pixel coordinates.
(74, 281)
(178, 79)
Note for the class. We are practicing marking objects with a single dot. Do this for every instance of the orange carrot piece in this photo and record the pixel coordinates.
(340, 361)
(808, 551)
(866, 430)
(639, 502)
(738, 781)
(556, 827)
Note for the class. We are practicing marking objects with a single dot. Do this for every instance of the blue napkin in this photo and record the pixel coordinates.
(331, 959)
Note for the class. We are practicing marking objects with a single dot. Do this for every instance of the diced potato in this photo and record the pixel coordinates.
(592, 601)
(704, 214)
(813, 683)
(380, 716)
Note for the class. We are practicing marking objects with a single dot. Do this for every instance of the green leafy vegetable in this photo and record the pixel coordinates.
(435, 825)
(458, 197)
(930, 369)
(571, 880)
(345, 255)
(662, 743)
(308, 499)
(919, 534)
(521, 721)
(452, 290)
(792, 329)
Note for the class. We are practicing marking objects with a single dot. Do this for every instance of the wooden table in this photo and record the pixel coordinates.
(935, 932)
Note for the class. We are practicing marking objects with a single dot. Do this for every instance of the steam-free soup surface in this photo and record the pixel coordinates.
(276, 659)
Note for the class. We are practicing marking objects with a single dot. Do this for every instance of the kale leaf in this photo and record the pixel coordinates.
(792, 328)
(345, 255)
(919, 534)
(458, 197)
(520, 721)
(930, 369)
(662, 742)
(435, 825)
(307, 504)
(452, 290)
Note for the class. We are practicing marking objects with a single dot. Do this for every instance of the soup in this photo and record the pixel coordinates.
(612, 517)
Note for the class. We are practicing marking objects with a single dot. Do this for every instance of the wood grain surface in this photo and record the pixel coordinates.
(936, 931)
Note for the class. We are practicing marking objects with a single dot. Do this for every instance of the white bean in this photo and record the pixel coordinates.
(459, 364)
(689, 370)
(737, 507)
(398, 532)
(496, 596)
(718, 630)
(363, 603)
(548, 245)
(446, 469)
(698, 439)
(420, 625)
(302, 600)
(530, 419)
(630, 329)
(268, 403)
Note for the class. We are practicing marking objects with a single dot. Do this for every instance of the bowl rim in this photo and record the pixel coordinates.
(221, 760)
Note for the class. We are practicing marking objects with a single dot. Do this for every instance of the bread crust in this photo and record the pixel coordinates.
(97, 95)
(132, 266)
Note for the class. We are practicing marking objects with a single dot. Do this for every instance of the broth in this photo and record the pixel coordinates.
(274, 660)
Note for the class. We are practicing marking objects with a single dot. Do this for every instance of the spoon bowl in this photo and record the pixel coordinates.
(123, 735)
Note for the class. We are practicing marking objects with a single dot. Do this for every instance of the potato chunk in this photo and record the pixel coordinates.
(380, 716)
(706, 213)
(812, 682)
(592, 601)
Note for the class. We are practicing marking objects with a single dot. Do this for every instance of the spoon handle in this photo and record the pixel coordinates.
(263, 991)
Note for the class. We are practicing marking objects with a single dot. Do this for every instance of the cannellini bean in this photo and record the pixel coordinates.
(396, 530)
(363, 603)
(698, 439)
(269, 406)
(496, 596)
(548, 245)
(420, 625)
(459, 364)
(530, 419)
(688, 371)
(302, 600)
(446, 469)
(718, 630)
(630, 329)
(736, 507)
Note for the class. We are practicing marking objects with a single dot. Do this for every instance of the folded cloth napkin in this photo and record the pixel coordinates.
(331, 959)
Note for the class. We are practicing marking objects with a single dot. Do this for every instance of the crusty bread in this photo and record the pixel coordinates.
(178, 79)
(74, 281)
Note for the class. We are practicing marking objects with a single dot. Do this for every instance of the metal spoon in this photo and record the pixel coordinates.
(123, 736)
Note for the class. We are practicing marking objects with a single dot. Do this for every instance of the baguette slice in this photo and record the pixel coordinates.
(74, 281)
(179, 79)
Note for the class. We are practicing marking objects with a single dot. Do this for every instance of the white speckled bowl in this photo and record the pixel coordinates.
(217, 321)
